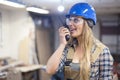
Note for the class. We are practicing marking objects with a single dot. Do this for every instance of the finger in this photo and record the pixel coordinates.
(61, 29)
(65, 30)
(67, 33)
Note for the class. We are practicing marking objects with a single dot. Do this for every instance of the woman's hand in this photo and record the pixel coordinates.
(62, 33)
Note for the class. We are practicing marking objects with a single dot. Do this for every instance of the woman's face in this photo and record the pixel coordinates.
(75, 25)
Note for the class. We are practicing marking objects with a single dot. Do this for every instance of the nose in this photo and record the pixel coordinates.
(70, 25)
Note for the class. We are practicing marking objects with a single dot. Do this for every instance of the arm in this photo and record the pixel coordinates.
(106, 65)
(56, 58)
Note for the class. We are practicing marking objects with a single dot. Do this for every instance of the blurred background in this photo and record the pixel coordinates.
(29, 30)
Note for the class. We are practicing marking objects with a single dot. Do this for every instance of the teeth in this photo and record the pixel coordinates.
(72, 29)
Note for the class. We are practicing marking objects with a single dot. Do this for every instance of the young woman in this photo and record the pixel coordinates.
(83, 57)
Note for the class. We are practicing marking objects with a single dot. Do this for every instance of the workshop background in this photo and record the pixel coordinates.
(29, 36)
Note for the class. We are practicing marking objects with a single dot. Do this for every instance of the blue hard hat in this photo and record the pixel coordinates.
(84, 10)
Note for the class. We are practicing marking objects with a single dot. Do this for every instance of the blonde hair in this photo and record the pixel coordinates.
(86, 42)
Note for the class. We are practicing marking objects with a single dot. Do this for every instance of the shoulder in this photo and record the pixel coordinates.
(104, 50)
(100, 45)
(100, 51)
(106, 55)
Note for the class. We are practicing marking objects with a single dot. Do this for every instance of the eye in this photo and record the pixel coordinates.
(76, 20)
(70, 19)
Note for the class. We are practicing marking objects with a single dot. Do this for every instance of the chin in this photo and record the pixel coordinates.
(74, 36)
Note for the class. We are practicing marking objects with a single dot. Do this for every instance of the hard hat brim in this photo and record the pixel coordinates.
(71, 15)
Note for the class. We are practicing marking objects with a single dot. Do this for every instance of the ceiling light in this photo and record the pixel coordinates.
(12, 4)
(61, 8)
(37, 10)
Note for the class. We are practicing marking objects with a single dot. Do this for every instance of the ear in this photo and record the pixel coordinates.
(90, 23)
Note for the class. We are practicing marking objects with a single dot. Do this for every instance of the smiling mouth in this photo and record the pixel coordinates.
(72, 30)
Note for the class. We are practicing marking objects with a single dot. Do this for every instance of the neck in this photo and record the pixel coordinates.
(79, 41)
